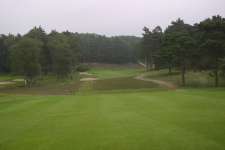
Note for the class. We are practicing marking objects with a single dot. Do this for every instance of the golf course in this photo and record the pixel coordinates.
(111, 110)
(112, 75)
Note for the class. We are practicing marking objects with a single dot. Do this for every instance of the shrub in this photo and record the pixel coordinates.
(83, 68)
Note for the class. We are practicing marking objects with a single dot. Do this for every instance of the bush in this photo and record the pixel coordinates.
(83, 68)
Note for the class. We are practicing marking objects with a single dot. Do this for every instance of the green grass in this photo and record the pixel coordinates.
(135, 120)
(106, 73)
(115, 112)
(8, 77)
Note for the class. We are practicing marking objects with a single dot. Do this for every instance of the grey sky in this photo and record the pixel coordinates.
(109, 17)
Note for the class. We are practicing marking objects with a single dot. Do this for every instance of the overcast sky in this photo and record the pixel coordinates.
(109, 17)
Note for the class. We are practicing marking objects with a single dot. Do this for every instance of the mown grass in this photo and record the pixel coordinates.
(106, 73)
(190, 119)
(116, 112)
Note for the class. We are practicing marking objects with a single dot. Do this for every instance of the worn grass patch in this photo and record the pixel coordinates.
(122, 83)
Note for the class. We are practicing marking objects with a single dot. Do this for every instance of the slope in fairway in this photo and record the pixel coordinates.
(171, 120)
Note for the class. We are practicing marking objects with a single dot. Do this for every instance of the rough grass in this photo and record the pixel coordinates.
(56, 89)
(122, 83)
(115, 84)
(193, 79)
(8, 77)
(135, 120)
(50, 85)
(46, 85)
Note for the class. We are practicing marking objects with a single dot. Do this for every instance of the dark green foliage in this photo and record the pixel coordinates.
(102, 49)
(6, 41)
(25, 59)
(213, 43)
(179, 45)
(151, 45)
(222, 66)
(186, 47)
(45, 57)
(58, 53)
(82, 68)
(3, 55)
(73, 42)
(61, 53)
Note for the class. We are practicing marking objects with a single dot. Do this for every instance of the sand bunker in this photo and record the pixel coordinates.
(88, 79)
(85, 73)
(6, 82)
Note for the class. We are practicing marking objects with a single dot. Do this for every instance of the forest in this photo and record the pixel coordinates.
(180, 46)
(185, 47)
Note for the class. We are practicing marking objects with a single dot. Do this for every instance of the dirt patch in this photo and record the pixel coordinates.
(18, 80)
(11, 82)
(87, 77)
(161, 83)
(85, 74)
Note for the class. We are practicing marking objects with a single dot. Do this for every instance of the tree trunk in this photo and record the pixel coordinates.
(29, 83)
(183, 71)
(25, 82)
(170, 69)
(216, 78)
(151, 62)
(146, 63)
(216, 73)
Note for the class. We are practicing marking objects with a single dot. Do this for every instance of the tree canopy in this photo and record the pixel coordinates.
(187, 47)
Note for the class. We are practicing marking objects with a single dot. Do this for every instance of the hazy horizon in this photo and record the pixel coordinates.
(105, 17)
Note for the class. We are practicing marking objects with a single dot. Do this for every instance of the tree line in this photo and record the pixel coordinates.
(102, 49)
(185, 47)
(180, 46)
(38, 53)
